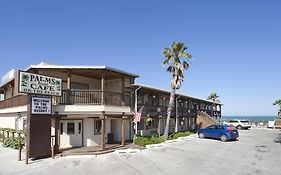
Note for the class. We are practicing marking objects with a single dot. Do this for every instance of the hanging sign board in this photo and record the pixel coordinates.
(39, 84)
(41, 105)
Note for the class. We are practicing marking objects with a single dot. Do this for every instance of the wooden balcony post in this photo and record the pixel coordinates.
(102, 144)
(159, 125)
(68, 88)
(20, 146)
(102, 88)
(57, 132)
(123, 130)
(123, 91)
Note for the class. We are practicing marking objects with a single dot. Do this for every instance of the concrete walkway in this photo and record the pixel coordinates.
(257, 152)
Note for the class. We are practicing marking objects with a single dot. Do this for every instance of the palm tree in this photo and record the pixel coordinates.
(176, 61)
(278, 102)
(214, 98)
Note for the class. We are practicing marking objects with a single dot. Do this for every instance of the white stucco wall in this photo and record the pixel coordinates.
(90, 139)
(8, 122)
(12, 121)
(117, 129)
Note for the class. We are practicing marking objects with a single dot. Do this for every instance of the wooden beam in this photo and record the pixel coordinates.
(123, 90)
(57, 132)
(102, 144)
(123, 130)
(102, 87)
(68, 88)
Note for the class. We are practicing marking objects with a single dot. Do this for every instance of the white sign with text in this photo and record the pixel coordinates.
(41, 105)
(39, 84)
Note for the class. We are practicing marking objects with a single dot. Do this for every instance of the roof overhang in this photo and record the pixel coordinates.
(168, 92)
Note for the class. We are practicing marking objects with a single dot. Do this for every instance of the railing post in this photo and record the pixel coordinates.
(3, 139)
(102, 130)
(19, 142)
(102, 88)
(123, 130)
(123, 91)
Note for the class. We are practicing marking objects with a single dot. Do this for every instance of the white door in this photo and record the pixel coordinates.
(71, 133)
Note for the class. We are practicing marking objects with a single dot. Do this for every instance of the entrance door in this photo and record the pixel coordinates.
(71, 133)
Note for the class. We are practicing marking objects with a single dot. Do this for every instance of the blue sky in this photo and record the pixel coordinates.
(235, 44)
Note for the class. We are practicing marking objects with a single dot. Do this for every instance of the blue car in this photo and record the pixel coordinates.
(219, 131)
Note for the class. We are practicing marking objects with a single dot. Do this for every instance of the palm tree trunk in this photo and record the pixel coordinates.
(171, 104)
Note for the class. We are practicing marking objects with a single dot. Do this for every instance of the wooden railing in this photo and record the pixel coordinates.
(162, 110)
(19, 100)
(93, 97)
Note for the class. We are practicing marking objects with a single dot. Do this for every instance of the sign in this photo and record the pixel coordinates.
(39, 84)
(41, 105)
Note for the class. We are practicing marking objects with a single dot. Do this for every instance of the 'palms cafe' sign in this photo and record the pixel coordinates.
(39, 84)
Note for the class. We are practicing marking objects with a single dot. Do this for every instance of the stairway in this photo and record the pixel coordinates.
(204, 120)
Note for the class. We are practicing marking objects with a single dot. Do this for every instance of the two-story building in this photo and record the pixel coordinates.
(154, 102)
(97, 106)
(94, 108)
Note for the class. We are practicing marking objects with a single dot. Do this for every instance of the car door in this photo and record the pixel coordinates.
(219, 131)
(210, 131)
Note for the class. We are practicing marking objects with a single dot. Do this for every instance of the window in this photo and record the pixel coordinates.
(220, 128)
(211, 127)
(186, 104)
(181, 121)
(97, 127)
(151, 123)
(24, 123)
(79, 86)
(79, 127)
(153, 99)
(70, 128)
(167, 102)
(61, 128)
(162, 101)
(140, 100)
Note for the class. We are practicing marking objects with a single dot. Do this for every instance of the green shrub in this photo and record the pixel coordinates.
(143, 141)
(179, 134)
(13, 143)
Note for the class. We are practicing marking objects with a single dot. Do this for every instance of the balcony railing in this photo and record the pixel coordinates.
(19, 100)
(94, 97)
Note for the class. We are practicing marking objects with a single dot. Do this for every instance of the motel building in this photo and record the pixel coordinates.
(96, 107)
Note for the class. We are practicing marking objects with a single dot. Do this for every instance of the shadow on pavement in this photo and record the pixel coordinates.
(278, 139)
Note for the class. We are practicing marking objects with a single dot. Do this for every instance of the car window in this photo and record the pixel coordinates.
(245, 121)
(211, 127)
(219, 127)
(233, 121)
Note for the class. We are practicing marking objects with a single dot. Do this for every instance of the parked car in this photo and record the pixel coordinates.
(219, 131)
(239, 124)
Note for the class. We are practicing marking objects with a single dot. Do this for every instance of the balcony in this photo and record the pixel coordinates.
(71, 97)
(19, 100)
(93, 97)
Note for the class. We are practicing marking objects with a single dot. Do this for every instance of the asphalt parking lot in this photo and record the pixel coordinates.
(257, 152)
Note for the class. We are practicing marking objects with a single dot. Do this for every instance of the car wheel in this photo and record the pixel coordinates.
(201, 135)
(239, 127)
(223, 138)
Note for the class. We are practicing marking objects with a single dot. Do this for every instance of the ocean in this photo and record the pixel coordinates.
(252, 118)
